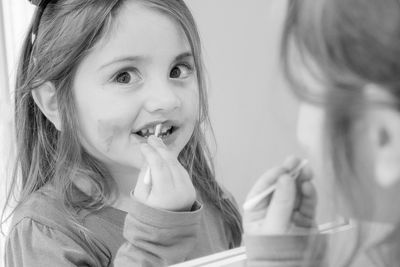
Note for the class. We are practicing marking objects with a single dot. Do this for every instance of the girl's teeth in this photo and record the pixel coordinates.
(144, 131)
(165, 129)
(151, 131)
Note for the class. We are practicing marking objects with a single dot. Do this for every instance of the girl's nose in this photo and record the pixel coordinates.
(163, 98)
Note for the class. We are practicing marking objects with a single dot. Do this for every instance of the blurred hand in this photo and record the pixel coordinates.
(290, 209)
(171, 187)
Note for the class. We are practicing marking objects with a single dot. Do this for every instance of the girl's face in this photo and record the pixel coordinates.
(311, 118)
(139, 74)
(310, 123)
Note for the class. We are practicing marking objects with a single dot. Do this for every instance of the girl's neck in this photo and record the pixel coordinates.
(124, 180)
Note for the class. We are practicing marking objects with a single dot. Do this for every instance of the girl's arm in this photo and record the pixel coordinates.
(163, 225)
(158, 237)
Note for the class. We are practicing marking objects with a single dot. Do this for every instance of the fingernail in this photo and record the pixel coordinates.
(147, 177)
(291, 162)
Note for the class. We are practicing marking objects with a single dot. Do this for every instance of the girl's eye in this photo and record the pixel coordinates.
(181, 71)
(127, 77)
(124, 77)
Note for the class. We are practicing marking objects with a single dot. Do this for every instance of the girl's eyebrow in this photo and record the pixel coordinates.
(184, 55)
(123, 59)
(141, 58)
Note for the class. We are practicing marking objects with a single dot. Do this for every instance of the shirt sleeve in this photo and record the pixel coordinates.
(158, 237)
(285, 250)
(33, 244)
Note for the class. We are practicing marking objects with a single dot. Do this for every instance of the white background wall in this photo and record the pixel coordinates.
(252, 110)
(14, 17)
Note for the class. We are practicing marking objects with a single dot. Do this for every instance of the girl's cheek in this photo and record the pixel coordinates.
(110, 131)
(107, 130)
(195, 102)
(309, 129)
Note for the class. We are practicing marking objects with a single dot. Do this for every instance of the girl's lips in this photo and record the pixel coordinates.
(163, 130)
(152, 125)
(168, 140)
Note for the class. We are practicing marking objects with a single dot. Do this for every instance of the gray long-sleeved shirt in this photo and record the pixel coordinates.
(40, 235)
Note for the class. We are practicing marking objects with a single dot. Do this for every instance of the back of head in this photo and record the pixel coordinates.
(344, 45)
(352, 41)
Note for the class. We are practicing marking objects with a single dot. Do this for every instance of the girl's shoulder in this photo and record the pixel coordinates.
(42, 217)
(42, 207)
(40, 226)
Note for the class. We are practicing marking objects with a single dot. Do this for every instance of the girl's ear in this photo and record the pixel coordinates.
(384, 132)
(46, 99)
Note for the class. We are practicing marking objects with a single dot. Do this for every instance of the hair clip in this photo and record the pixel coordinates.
(41, 5)
(36, 2)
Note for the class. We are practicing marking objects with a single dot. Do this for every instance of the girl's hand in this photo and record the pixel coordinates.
(171, 187)
(290, 209)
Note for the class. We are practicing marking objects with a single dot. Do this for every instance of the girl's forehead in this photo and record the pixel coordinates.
(141, 31)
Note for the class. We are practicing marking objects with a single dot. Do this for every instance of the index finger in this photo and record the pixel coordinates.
(162, 149)
(278, 216)
(159, 170)
(266, 180)
(177, 171)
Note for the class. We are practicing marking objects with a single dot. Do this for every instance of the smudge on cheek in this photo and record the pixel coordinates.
(108, 130)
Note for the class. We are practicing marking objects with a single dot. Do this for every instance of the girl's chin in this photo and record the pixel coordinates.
(125, 162)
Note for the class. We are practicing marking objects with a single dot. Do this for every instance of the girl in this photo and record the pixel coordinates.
(94, 80)
(348, 78)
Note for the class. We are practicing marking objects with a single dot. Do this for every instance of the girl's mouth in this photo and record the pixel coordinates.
(165, 131)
